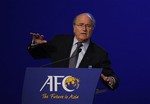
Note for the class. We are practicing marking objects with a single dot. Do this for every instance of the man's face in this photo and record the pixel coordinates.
(83, 28)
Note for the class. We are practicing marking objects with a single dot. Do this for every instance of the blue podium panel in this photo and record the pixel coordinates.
(60, 85)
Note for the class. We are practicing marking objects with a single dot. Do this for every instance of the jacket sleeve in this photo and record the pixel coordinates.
(108, 71)
(42, 50)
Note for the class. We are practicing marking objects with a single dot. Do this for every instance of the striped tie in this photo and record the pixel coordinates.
(74, 56)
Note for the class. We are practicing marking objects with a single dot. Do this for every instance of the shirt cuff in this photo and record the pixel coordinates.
(33, 43)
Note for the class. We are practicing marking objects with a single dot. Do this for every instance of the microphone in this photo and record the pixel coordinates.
(61, 60)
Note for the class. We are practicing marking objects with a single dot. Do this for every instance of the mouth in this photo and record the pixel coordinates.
(83, 33)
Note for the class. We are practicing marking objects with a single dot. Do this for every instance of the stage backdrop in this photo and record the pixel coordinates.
(122, 28)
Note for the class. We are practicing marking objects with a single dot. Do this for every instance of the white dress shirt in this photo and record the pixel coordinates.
(83, 51)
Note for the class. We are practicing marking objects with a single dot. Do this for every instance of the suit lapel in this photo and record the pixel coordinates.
(87, 57)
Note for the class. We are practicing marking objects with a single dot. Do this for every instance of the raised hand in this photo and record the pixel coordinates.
(38, 38)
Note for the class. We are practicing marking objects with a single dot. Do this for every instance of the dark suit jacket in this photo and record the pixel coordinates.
(59, 48)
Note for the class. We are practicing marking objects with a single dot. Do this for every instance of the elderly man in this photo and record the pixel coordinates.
(75, 51)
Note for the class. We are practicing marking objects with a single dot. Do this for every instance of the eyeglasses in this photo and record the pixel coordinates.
(81, 25)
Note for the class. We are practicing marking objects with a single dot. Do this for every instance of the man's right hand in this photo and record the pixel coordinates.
(37, 38)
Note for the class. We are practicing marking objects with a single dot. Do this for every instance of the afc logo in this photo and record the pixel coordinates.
(68, 83)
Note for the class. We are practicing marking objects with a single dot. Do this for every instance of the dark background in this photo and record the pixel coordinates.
(122, 28)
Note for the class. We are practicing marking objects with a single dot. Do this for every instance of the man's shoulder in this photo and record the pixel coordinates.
(98, 48)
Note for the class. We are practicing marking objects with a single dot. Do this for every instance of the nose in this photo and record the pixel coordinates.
(84, 27)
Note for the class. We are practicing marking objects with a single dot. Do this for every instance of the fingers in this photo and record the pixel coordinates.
(40, 41)
(109, 80)
(37, 38)
(104, 77)
(41, 37)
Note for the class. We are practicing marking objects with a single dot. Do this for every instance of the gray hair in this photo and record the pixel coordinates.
(89, 15)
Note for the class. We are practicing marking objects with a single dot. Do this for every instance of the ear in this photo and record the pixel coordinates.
(73, 28)
(93, 28)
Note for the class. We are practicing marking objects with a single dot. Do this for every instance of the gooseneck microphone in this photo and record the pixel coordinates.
(61, 60)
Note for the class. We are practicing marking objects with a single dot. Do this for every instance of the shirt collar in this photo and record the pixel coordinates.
(85, 44)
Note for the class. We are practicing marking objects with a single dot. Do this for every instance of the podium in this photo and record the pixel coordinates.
(60, 85)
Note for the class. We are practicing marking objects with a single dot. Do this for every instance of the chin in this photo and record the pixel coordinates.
(83, 39)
